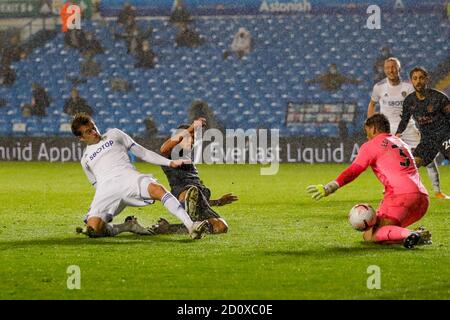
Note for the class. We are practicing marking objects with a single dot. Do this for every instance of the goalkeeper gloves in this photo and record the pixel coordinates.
(319, 191)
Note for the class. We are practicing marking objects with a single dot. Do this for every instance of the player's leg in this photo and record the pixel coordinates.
(196, 204)
(388, 233)
(96, 227)
(188, 198)
(444, 148)
(412, 138)
(425, 152)
(216, 223)
(158, 192)
(106, 205)
(433, 174)
(215, 226)
(396, 213)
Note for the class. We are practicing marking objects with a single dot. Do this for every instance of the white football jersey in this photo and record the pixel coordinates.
(109, 158)
(391, 100)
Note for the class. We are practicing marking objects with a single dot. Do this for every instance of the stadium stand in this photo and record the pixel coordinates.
(250, 93)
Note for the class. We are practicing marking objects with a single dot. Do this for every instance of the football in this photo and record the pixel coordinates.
(362, 216)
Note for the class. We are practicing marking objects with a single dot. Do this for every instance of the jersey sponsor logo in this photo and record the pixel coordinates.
(395, 103)
(104, 146)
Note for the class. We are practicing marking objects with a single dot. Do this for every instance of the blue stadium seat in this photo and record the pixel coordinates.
(287, 52)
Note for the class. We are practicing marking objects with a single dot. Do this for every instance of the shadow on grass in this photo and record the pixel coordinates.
(84, 241)
(334, 251)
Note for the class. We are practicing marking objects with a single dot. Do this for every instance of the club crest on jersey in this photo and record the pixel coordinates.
(430, 108)
(404, 94)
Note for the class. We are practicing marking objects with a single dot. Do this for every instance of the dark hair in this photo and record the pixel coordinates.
(80, 119)
(417, 69)
(380, 122)
(183, 126)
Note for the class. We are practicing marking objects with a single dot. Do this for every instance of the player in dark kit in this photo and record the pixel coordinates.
(188, 188)
(431, 111)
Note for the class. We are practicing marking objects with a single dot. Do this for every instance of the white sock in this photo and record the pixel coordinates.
(174, 207)
(433, 173)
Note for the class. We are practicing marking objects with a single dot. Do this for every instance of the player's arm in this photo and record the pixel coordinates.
(154, 158)
(406, 115)
(145, 154)
(89, 175)
(371, 108)
(374, 98)
(172, 142)
(358, 166)
(319, 191)
(225, 199)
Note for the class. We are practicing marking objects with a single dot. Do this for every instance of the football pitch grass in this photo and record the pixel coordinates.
(280, 245)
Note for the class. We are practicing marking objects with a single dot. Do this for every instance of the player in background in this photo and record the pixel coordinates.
(430, 109)
(405, 198)
(390, 94)
(187, 186)
(118, 184)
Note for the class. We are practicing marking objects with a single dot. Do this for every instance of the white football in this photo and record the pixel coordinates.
(362, 216)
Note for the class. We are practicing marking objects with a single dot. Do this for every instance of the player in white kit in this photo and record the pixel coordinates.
(389, 94)
(118, 184)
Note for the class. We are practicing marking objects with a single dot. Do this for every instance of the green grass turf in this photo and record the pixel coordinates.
(281, 244)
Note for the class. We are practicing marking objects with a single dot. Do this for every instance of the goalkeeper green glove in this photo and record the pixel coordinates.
(319, 191)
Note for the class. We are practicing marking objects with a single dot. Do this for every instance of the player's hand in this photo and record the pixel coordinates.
(226, 199)
(317, 191)
(200, 122)
(398, 135)
(179, 163)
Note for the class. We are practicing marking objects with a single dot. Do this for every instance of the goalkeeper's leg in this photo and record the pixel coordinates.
(394, 215)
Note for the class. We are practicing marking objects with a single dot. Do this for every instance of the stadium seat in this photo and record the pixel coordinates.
(286, 54)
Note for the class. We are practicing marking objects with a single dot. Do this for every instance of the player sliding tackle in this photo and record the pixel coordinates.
(187, 186)
(118, 184)
(405, 198)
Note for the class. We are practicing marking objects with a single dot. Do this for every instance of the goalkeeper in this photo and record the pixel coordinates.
(405, 198)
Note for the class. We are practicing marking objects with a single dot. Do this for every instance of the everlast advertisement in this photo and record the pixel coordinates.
(286, 150)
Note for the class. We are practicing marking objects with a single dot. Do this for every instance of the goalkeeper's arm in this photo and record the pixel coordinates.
(348, 175)
(318, 191)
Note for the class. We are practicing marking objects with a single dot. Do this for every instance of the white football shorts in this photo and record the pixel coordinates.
(112, 197)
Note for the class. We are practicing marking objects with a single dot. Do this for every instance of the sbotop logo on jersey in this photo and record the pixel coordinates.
(236, 146)
(395, 103)
(101, 148)
(70, 17)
